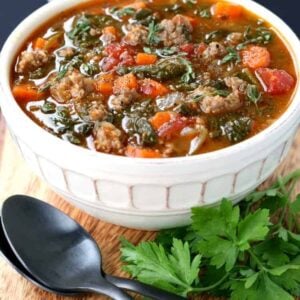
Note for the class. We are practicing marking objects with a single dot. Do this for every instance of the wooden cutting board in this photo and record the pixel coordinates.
(17, 178)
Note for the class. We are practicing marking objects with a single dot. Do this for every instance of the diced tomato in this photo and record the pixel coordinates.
(173, 128)
(108, 63)
(153, 88)
(189, 49)
(127, 59)
(116, 49)
(274, 81)
(200, 49)
(256, 57)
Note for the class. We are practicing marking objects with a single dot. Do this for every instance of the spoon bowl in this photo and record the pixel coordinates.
(57, 253)
(9, 256)
(54, 248)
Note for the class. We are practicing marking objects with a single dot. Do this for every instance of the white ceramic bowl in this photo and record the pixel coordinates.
(143, 193)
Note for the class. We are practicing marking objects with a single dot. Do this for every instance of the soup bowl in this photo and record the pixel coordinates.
(146, 193)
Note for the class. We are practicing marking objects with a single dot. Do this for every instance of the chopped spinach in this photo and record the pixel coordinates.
(234, 127)
(144, 17)
(74, 138)
(260, 35)
(89, 69)
(253, 94)
(48, 107)
(81, 32)
(153, 38)
(232, 56)
(165, 69)
(203, 13)
(135, 123)
(122, 12)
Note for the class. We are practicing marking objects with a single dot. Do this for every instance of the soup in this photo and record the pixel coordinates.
(154, 79)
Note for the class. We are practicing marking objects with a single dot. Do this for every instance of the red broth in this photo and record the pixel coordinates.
(154, 79)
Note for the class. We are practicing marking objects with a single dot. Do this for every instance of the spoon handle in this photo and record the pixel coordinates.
(141, 288)
(108, 289)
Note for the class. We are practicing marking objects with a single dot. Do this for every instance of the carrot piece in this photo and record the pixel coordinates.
(256, 57)
(137, 5)
(127, 81)
(226, 10)
(133, 151)
(39, 43)
(153, 88)
(110, 30)
(145, 59)
(26, 92)
(105, 83)
(160, 118)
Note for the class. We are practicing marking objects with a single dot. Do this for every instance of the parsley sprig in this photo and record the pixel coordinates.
(245, 252)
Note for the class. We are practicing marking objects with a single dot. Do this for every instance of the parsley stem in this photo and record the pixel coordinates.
(210, 287)
(256, 259)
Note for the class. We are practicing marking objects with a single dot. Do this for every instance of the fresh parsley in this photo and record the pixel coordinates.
(245, 252)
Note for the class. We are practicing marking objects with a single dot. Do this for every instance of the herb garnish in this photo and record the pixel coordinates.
(203, 13)
(260, 35)
(232, 56)
(154, 29)
(245, 252)
(253, 94)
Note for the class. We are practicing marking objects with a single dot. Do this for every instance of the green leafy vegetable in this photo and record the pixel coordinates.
(164, 69)
(260, 35)
(203, 13)
(135, 123)
(153, 38)
(253, 93)
(232, 56)
(245, 252)
(172, 270)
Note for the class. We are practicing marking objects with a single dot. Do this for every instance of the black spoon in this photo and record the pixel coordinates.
(11, 258)
(59, 254)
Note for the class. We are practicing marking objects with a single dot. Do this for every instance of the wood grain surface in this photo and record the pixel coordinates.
(16, 177)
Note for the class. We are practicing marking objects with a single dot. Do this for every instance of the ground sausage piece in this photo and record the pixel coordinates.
(214, 50)
(123, 100)
(218, 104)
(73, 86)
(210, 103)
(108, 138)
(136, 34)
(31, 60)
(236, 84)
(234, 38)
(97, 111)
(176, 31)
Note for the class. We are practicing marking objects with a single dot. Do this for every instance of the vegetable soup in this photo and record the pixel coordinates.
(154, 79)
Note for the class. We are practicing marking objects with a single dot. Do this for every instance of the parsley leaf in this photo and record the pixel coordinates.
(172, 270)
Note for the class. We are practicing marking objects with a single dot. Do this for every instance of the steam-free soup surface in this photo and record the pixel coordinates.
(159, 79)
